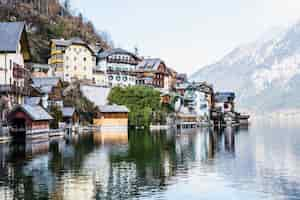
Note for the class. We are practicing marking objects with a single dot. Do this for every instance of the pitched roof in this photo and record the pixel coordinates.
(150, 64)
(40, 66)
(36, 113)
(11, 33)
(32, 100)
(75, 40)
(105, 54)
(224, 96)
(68, 111)
(113, 109)
(45, 81)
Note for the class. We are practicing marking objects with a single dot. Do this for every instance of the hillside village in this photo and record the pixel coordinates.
(73, 87)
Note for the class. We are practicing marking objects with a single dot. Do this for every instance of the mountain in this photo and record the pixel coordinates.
(265, 74)
(54, 21)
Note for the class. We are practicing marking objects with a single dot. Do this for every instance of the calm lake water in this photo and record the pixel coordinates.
(259, 163)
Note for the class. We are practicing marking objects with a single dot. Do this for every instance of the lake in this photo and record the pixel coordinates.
(261, 162)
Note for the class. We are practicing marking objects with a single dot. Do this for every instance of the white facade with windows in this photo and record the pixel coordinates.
(119, 66)
(72, 59)
(79, 63)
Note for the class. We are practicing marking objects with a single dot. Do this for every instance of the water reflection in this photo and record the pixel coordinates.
(138, 164)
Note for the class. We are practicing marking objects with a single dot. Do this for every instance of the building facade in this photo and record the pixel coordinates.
(14, 52)
(72, 59)
(155, 72)
(120, 66)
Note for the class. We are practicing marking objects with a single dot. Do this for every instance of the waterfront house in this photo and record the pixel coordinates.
(14, 53)
(112, 116)
(224, 101)
(120, 66)
(156, 70)
(72, 59)
(29, 119)
(50, 88)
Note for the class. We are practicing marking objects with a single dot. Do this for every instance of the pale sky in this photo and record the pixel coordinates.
(187, 34)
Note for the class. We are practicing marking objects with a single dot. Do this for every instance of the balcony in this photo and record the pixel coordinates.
(122, 61)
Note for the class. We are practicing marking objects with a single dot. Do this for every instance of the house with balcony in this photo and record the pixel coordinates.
(119, 65)
(14, 53)
(154, 72)
(72, 59)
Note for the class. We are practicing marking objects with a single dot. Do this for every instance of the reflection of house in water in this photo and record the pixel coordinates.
(112, 117)
(111, 137)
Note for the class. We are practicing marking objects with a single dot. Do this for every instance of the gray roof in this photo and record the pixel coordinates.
(75, 40)
(113, 109)
(32, 100)
(36, 113)
(149, 64)
(10, 35)
(68, 111)
(40, 66)
(110, 52)
(45, 81)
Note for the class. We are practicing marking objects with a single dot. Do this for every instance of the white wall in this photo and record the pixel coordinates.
(6, 61)
(79, 62)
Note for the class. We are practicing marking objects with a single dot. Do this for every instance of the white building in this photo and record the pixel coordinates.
(14, 52)
(72, 59)
(120, 66)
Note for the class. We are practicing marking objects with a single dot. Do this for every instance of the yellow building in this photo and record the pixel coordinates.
(72, 59)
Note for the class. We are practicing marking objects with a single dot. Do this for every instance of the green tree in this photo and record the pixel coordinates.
(57, 115)
(141, 101)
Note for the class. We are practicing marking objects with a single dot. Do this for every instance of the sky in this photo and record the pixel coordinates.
(187, 34)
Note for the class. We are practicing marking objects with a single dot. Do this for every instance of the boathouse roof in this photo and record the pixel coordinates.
(35, 112)
(113, 109)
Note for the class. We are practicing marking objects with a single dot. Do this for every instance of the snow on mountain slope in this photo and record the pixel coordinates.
(264, 74)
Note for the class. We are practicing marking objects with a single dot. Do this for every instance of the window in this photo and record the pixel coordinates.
(75, 68)
(75, 58)
(125, 78)
(84, 68)
(84, 59)
(110, 77)
(67, 58)
(67, 67)
(118, 78)
(67, 75)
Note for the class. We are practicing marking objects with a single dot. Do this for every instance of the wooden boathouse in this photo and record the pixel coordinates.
(28, 121)
(112, 116)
